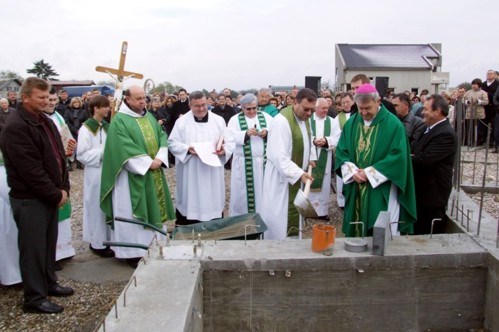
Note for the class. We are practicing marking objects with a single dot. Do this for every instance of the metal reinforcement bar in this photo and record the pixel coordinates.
(141, 223)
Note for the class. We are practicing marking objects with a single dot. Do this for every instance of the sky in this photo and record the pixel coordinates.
(214, 44)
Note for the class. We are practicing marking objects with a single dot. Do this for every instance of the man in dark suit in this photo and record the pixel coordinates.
(433, 161)
(490, 86)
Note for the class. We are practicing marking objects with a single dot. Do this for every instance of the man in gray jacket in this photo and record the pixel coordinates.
(414, 126)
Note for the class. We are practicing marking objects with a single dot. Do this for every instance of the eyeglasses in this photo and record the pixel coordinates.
(251, 108)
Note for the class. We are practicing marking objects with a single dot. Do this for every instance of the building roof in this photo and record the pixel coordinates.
(4, 83)
(72, 83)
(392, 56)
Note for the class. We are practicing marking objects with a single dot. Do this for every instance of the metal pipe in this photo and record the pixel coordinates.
(484, 178)
(432, 223)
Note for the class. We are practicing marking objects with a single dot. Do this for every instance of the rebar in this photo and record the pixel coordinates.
(484, 178)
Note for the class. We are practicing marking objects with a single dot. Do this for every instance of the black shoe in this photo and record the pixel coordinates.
(133, 262)
(45, 307)
(105, 253)
(57, 266)
(59, 290)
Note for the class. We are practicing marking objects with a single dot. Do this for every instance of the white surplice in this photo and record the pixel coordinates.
(280, 172)
(122, 202)
(89, 151)
(238, 194)
(10, 272)
(320, 199)
(64, 248)
(336, 133)
(200, 192)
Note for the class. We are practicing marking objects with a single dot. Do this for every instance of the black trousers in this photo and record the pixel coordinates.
(425, 215)
(37, 225)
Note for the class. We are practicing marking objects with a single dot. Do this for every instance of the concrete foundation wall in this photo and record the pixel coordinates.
(492, 298)
(422, 298)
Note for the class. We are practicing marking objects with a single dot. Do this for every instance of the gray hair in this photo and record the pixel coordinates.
(264, 90)
(319, 101)
(196, 95)
(247, 99)
(4, 100)
(365, 97)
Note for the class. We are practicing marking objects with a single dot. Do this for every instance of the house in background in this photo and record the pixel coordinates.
(10, 85)
(391, 67)
(58, 85)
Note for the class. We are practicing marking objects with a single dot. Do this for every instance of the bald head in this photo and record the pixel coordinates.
(135, 98)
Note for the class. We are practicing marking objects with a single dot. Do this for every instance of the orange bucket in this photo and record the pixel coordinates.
(323, 237)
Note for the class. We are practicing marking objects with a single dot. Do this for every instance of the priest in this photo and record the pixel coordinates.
(200, 193)
(374, 160)
(249, 129)
(289, 154)
(322, 138)
(133, 184)
(64, 249)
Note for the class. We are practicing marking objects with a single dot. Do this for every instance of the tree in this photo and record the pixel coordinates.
(10, 75)
(42, 70)
(166, 87)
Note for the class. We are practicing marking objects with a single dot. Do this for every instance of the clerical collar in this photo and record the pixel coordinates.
(204, 119)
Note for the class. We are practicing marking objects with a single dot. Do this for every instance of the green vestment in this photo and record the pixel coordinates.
(384, 146)
(269, 109)
(130, 137)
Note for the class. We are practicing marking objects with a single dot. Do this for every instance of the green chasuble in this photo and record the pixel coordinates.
(130, 137)
(384, 146)
(297, 158)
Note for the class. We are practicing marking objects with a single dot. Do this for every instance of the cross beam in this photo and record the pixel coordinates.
(120, 73)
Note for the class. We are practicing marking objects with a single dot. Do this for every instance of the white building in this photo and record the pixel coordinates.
(392, 67)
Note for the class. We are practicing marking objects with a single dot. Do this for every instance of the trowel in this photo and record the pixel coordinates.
(302, 203)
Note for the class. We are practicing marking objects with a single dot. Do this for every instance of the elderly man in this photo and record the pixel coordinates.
(264, 104)
(322, 138)
(39, 185)
(133, 184)
(5, 111)
(414, 126)
(200, 194)
(433, 162)
(373, 158)
(249, 130)
(289, 152)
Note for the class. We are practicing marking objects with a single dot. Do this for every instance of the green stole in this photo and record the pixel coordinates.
(129, 137)
(248, 159)
(342, 119)
(384, 146)
(318, 172)
(297, 157)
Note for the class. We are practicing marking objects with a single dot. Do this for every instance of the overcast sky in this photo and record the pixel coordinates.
(238, 44)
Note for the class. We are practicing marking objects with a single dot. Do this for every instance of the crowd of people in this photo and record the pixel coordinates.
(390, 153)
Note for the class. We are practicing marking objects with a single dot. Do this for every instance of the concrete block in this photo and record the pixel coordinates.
(381, 233)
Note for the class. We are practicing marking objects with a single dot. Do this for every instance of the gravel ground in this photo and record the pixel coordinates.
(93, 301)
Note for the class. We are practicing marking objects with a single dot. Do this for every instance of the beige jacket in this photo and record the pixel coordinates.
(475, 100)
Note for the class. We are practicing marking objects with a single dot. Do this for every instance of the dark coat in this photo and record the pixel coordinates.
(180, 108)
(32, 169)
(74, 119)
(4, 116)
(490, 108)
(414, 128)
(227, 112)
(433, 161)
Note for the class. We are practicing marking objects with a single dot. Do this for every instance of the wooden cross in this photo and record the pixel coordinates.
(120, 73)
